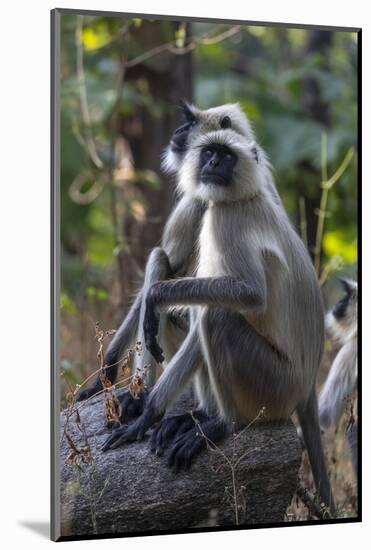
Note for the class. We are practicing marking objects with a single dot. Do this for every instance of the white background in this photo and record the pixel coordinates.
(24, 284)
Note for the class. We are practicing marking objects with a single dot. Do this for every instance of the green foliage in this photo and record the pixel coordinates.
(70, 371)
(67, 304)
(99, 294)
(97, 36)
(341, 242)
(100, 242)
(294, 141)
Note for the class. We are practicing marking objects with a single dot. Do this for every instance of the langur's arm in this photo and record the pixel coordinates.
(181, 233)
(178, 244)
(225, 291)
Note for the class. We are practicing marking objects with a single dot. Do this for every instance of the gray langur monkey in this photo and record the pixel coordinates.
(256, 316)
(341, 383)
(174, 258)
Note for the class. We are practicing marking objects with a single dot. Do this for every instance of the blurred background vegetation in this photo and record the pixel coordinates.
(121, 85)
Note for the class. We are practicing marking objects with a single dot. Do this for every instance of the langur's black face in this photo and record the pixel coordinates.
(216, 164)
(341, 308)
(178, 142)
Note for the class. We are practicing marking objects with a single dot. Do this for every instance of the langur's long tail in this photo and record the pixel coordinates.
(309, 421)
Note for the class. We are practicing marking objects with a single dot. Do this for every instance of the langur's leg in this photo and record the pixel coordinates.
(201, 428)
(247, 373)
(174, 329)
(172, 427)
(170, 385)
(157, 269)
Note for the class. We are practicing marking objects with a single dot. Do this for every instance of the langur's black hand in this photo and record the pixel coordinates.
(150, 328)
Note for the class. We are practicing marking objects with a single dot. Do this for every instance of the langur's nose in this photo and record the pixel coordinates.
(214, 161)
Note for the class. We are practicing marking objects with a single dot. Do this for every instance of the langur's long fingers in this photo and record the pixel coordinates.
(119, 436)
(155, 350)
(150, 326)
(141, 434)
(183, 458)
(187, 425)
(110, 440)
(153, 440)
(172, 458)
(159, 355)
(158, 442)
(163, 435)
(123, 439)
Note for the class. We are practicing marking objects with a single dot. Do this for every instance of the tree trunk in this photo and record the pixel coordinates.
(319, 110)
(167, 79)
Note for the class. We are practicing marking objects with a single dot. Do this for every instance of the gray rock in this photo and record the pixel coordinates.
(250, 478)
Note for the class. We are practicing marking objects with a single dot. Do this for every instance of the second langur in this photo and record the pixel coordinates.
(174, 258)
(256, 317)
(341, 383)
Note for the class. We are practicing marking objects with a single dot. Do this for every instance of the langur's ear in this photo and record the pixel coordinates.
(187, 111)
(348, 286)
(226, 123)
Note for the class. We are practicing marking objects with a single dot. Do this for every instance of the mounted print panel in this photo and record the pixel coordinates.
(205, 279)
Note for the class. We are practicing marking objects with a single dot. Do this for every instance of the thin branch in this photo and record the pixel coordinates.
(117, 225)
(326, 185)
(171, 47)
(231, 462)
(343, 166)
(324, 175)
(335, 264)
(303, 221)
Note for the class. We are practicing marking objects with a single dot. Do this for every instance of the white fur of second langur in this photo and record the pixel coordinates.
(341, 383)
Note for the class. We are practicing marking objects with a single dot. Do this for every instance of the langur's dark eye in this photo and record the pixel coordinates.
(229, 157)
(226, 122)
(208, 153)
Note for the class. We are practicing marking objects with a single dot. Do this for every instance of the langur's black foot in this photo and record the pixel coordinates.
(172, 427)
(131, 407)
(134, 432)
(188, 445)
